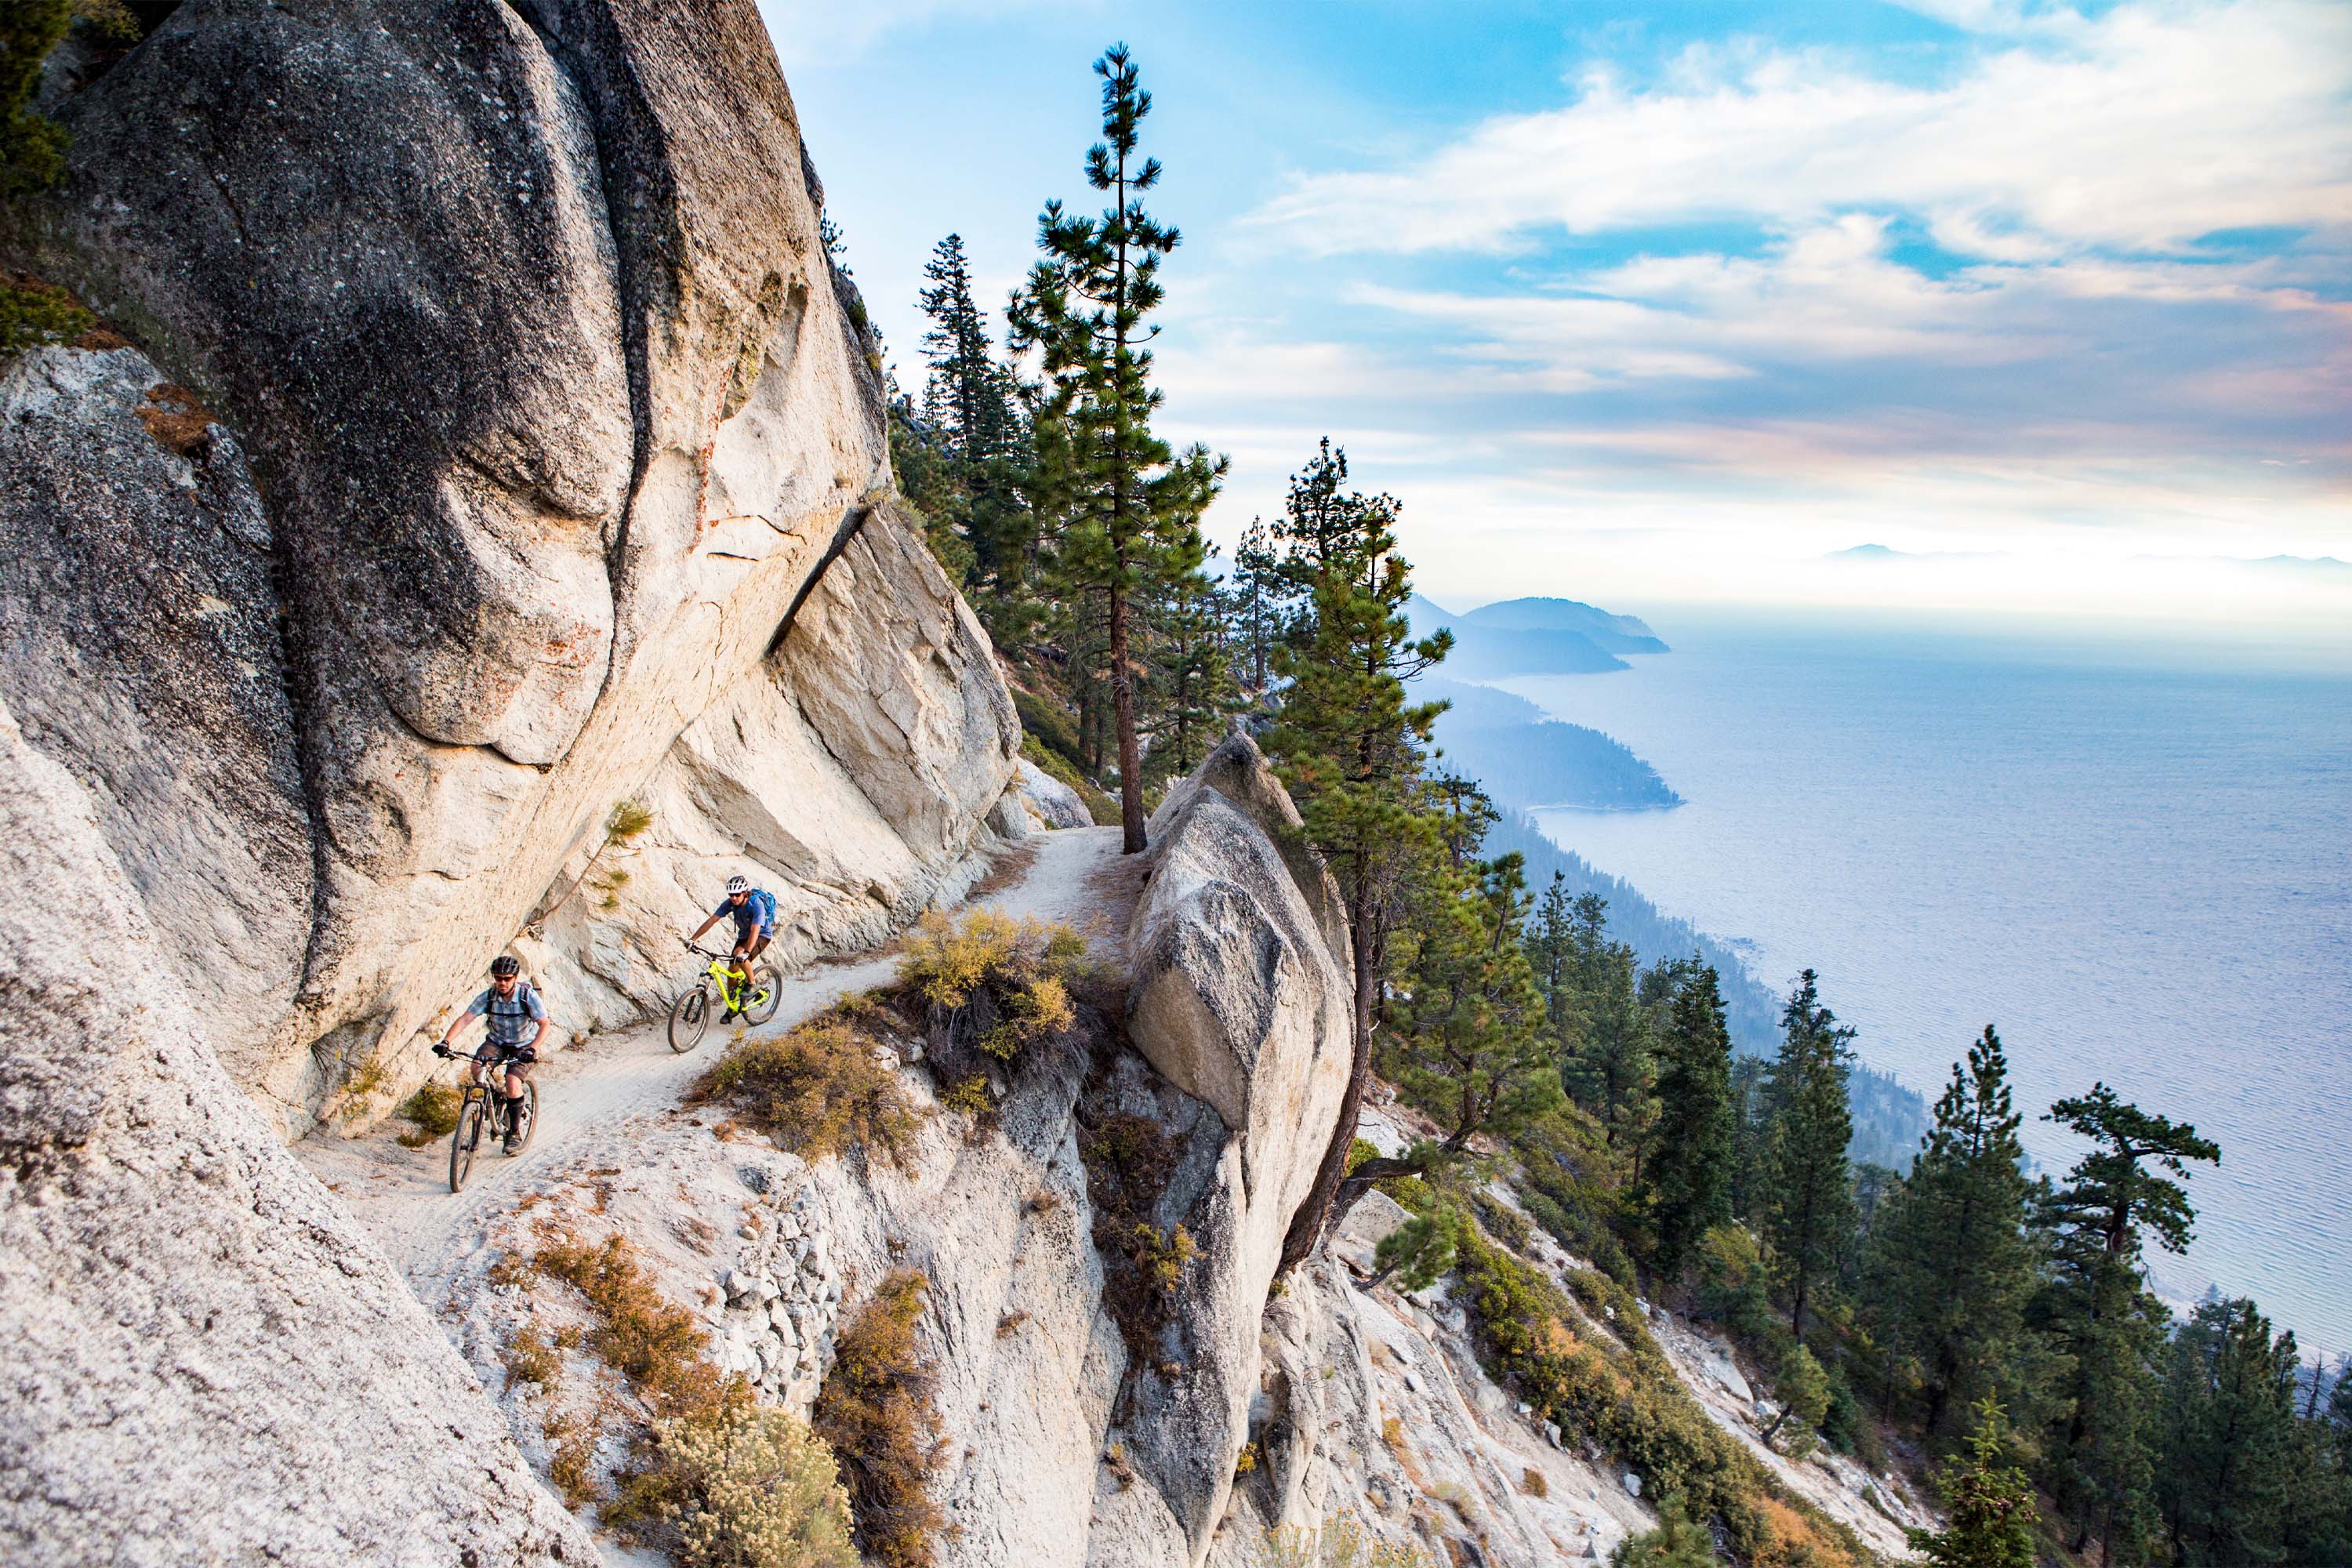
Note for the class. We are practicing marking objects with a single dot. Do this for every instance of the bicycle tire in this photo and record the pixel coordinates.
(689, 1017)
(530, 1115)
(464, 1140)
(762, 975)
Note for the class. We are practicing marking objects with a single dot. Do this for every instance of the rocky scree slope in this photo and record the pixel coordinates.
(501, 444)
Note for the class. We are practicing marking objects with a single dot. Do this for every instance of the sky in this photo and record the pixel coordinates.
(1664, 303)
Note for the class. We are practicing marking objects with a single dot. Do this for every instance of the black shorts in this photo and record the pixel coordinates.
(517, 1059)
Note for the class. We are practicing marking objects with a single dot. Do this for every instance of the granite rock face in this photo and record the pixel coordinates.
(140, 647)
(205, 1362)
(1239, 1002)
(1053, 803)
(566, 450)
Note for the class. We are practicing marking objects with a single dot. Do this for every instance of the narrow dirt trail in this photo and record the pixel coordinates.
(594, 1100)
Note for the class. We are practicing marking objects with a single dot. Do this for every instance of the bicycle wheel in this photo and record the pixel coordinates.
(463, 1142)
(690, 1017)
(764, 978)
(530, 1116)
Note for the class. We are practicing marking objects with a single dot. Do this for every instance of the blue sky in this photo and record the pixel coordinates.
(1665, 302)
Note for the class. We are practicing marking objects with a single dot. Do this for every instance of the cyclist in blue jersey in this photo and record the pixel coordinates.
(755, 909)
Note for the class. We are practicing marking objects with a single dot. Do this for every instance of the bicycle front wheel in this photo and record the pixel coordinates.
(690, 1017)
(465, 1141)
(763, 978)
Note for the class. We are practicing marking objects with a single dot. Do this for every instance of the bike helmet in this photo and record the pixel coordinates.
(737, 885)
(503, 966)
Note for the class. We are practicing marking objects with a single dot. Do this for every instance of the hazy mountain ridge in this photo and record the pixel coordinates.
(1505, 742)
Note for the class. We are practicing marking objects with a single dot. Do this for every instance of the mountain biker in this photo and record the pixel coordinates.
(755, 909)
(510, 1010)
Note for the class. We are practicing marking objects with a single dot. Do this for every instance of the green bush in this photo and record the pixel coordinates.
(1045, 723)
(31, 149)
(33, 313)
(432, 1111)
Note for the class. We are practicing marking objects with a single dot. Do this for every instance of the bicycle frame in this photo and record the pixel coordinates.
(722, 974)
(732, 992)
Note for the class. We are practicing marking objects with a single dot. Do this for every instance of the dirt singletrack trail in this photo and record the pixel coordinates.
(594, 1100)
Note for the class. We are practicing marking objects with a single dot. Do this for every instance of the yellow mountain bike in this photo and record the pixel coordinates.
(717, 986)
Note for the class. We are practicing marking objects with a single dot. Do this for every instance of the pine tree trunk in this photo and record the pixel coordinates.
(1130, 758)
(1307, 1226)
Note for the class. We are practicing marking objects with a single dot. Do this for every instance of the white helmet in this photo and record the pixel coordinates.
(737, 885)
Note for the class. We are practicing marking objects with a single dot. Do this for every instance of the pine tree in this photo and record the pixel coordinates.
(1952, 1267)
(1679, 1542)
(1689, 1181)
(1256, 601)
(1419, 1251)
(1807, 1205)
(2228, 1437)
(971, 409)
(1991, 1506)
(1803, 1387)
(1126, 507)
(1349, 748)
(1191, 689)
(1606, 1062)
(1466, 1043)
(963, 396)
(2096, 1308)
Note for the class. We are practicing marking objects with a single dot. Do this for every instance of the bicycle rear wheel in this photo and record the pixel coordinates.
(690, 1017)
(465, 1139)
(763, 978)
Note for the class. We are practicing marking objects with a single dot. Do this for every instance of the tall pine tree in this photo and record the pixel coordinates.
(2099, 1313)
(972, 408)
(1950, 1266)
(1807, 1201)
(1349, 748)
(1126, 508)
(1688, 1186)
(1468, 1043)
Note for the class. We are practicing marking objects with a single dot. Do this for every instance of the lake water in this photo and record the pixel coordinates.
(2135, 859)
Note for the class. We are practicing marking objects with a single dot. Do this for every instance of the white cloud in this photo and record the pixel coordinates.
(2139, 131)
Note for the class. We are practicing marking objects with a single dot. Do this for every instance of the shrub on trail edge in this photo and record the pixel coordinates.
(875, 1412)
(1001, 981)
(433, 1112)
(744, 1488)
(816, 1092)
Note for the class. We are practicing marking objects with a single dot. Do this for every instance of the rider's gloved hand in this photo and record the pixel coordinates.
(441, 1048)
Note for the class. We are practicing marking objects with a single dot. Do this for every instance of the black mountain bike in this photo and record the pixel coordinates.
(484, 1111)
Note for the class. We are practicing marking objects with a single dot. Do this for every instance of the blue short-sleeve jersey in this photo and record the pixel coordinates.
(755, 916)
